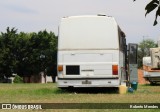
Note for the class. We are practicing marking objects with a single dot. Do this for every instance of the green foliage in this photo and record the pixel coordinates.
(144, 49)
(154, 4)
(20, 52)
(18, 79)
(7, 56)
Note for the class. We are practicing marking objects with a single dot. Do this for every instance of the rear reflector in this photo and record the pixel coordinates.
(115, 69)
(60, 67)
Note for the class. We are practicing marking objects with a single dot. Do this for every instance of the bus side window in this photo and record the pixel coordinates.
(122, 41)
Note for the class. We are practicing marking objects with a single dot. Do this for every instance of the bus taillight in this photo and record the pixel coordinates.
(60, 68)
(115, 69)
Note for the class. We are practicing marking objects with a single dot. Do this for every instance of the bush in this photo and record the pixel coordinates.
(18, 79)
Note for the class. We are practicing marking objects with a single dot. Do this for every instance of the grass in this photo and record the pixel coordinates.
(49, 93)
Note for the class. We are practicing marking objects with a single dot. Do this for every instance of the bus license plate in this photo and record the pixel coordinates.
(86, 82)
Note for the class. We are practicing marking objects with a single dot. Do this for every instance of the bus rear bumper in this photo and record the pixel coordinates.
(103, 82)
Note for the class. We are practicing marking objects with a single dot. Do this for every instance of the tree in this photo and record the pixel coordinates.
(21, 53)
(144, 49)
(31, 47)
(7, 57)
(154, 4)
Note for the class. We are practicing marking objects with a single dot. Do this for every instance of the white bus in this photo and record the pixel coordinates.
(91, 52)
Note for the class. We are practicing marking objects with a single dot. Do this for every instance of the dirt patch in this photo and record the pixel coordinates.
(141, 80)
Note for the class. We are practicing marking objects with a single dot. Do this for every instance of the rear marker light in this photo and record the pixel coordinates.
(60, 67)
(115, 69)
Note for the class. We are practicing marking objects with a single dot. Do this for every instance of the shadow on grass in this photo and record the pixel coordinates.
(152, 84)
(109, 90)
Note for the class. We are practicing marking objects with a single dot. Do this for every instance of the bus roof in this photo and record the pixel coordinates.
(88, 32)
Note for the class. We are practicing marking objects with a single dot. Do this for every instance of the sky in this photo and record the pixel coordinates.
(36, 15)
